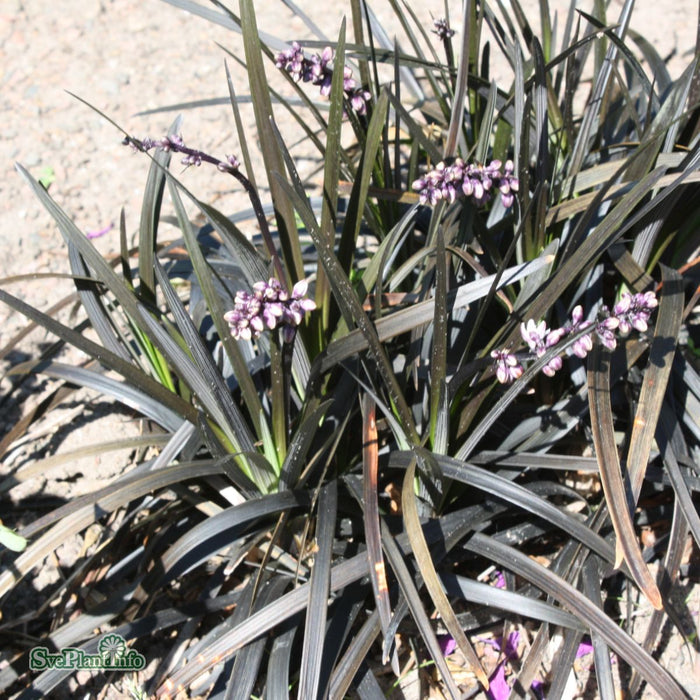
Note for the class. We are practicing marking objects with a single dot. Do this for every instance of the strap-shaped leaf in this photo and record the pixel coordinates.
(419, 314)
(244, 674)
(655, 674)
(360, 187)
(91, 300)
(218, 531)
(457, 119)
(277, 681)
(353, 313)
(370, 513)
(99, 266)
(427, 569)
(656, 375)
(354, 656)
(214, 303)
(319, 592)
(603, 667)
(331, 171)
(675, 551)
(477, 593)
(438, 357)
(511, 492)
(122, 391)
(42, 466)
(82, 512)
(413, 600)
(611, 474)
(299, 446)
(217, 398)
(274, 163)
(135, 377)
(592, 111)
(671, 445)
(150, 217)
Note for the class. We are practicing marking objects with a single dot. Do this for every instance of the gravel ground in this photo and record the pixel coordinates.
(124, 58)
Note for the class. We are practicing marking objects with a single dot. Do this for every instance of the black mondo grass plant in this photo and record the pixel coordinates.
(413, 427)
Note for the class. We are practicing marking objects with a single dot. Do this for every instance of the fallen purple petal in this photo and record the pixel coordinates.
(498, 686)
(537, 688)
(583, 649)
(447, 644)
(100, 232)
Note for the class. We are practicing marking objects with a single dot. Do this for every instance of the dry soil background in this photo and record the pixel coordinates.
(126, 57)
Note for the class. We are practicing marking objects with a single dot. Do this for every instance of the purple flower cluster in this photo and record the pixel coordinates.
(631, 312)
(442, 29)
(268, 306)
(318, 70)
(474, 180)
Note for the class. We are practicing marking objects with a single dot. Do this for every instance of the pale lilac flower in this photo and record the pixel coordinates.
(540, 339)
(553, 366)
(508, 184)
(268, 307)
(473, 180)
(193, 159)
(508, 368)
(428, 192)
(535, 334)
(359, 99)
(349, 83)
(292, 60)
(582, 346)
(232, 163)
(606, 329)
(635, 311)
(318, 70)
(632, 311)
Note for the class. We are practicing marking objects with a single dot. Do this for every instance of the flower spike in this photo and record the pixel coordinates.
(632, 311)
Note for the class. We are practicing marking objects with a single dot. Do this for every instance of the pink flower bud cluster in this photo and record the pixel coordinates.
(442, 29)
(318, 70)
(631, 312)
(269, 306)
(192, 156)
(469, 180)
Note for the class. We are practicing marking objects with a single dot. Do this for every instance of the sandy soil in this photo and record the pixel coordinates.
(126, 57)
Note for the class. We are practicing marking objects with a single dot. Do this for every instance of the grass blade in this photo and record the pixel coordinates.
(319, 591)
(656, 376)
(274, 164)
(150, 216)
(370, 514)
(427, 569)
(616, 494)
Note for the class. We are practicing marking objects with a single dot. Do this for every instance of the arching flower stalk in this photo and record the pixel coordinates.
(631, 312)
(175, 144)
